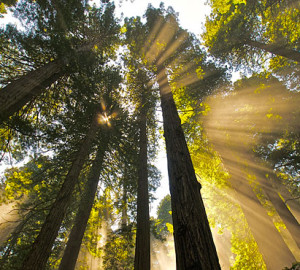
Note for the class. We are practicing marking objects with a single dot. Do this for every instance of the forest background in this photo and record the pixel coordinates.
(94, 132)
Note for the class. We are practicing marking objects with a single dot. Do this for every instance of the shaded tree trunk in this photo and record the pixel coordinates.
(41, 248)
(276, 49)
(124, 207)
(72, 249)
(19, 92)
(142, 247)
(194, 244)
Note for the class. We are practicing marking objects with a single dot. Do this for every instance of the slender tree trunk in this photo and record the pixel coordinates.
(276, 49)
(71, 252)
(18, 93)
(41, 248)
(274, 250)
(194, 244)
(124, 207)
(142, 247)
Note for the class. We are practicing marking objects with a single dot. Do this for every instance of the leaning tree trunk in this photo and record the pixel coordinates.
(41, 248)
(291, 201)
(142, 247)
(19, 92)
(276, 49)
(194, 244)
(71, 252)
(274, 250)
(285, 214)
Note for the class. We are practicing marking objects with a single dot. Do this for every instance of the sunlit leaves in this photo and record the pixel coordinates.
(231, 26)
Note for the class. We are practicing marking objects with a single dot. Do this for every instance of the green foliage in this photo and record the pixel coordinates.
(51, 127)
(32, 188)
(239, 249)
(119, 250)
(234, 24)
(164, 223)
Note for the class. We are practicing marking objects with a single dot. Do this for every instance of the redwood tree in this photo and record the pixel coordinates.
(41, 248)
(58, 54)
(194, 245)
(71, 252)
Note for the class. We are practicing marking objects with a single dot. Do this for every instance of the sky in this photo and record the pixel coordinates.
(191, 15)
(191, 12)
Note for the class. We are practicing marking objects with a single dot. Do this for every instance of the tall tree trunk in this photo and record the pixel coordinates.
(142, 247)
(276, 49)
(41, 248)
(71, 252)
(194, 244)
(285, 214)
(124, 219)
(290, 201)
(274, 250)
(18, 93)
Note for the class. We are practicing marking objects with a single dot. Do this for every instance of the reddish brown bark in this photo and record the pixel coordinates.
(142, 247)
(72, 249)
(41, 248)
(18, 93)
(194, 244)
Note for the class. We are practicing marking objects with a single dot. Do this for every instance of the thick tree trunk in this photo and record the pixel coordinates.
(276, 49)
(274, 250)
(41, 248)
(142, 247)
(71, 252)
(194, 244)
(18, 93)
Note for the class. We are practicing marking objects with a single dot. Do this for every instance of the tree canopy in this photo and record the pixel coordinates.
(81, 126)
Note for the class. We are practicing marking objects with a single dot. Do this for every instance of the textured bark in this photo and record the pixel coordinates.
(142, 247)
(41, 248)
(274, 250)
(71, 252)
(18, 93)
(277, 50)
(194, 244)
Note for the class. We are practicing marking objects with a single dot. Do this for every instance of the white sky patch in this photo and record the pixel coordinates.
(191, 12)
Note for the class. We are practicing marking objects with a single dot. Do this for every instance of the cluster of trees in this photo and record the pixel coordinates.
(78, 108)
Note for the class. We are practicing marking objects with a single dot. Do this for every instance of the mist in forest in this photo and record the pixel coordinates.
(163, 254)
(247, 127)
(8, 220)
